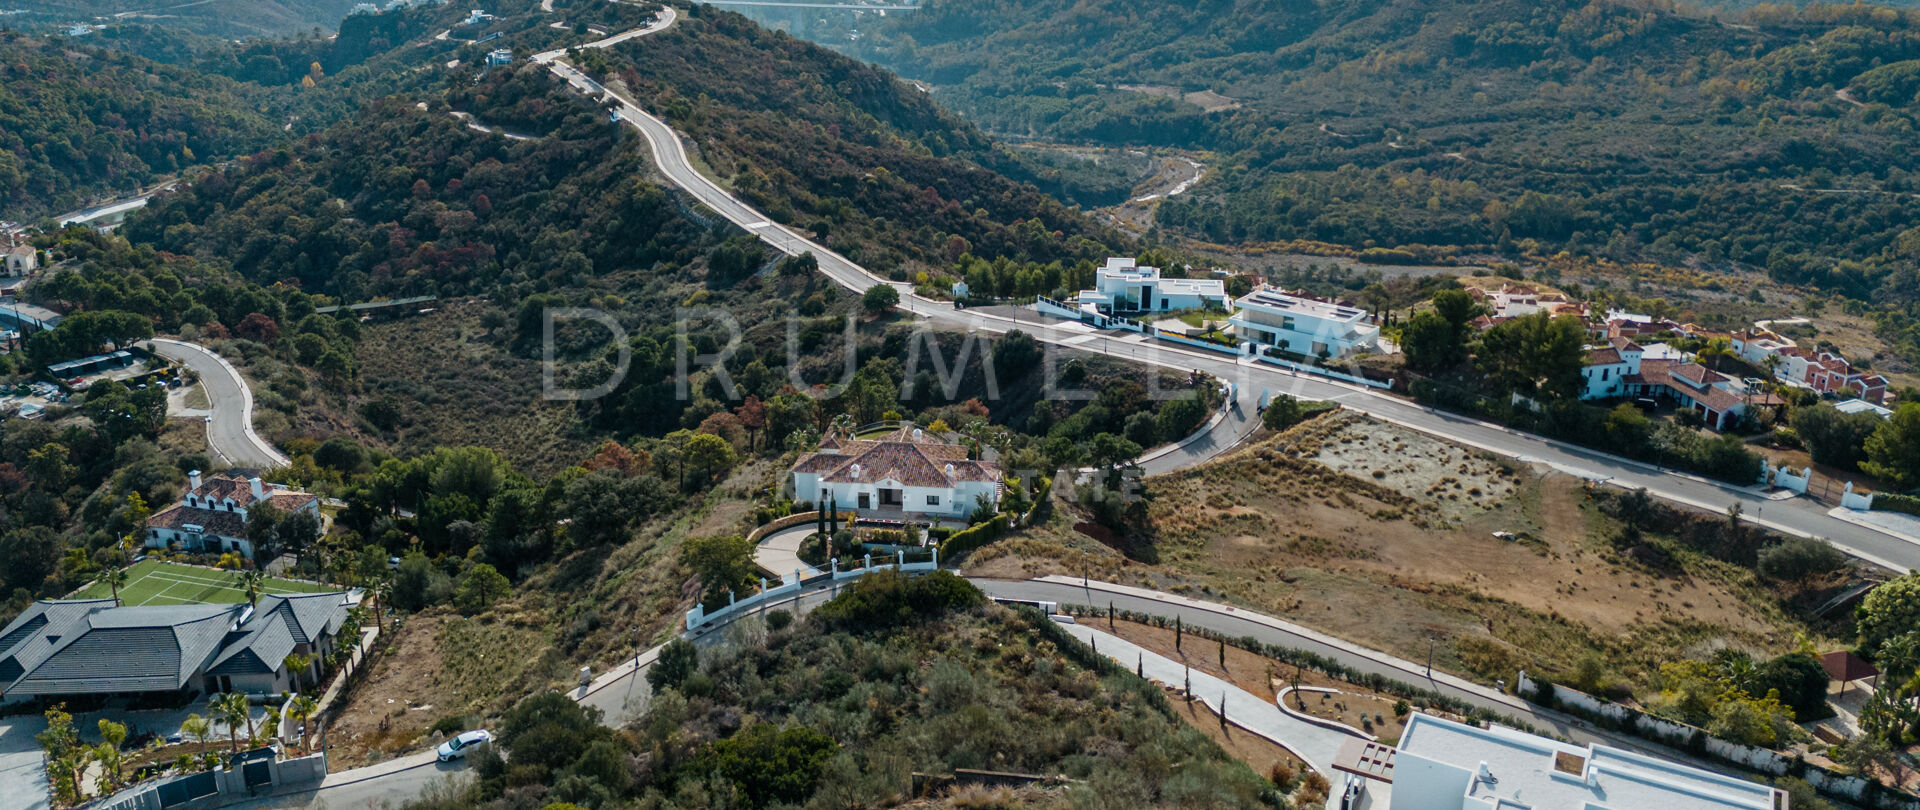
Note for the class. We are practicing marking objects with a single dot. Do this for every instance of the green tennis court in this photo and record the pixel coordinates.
(153, 582)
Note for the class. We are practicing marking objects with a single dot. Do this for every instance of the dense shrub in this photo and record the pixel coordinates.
(889, 598)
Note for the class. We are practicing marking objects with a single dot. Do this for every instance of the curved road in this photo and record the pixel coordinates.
(230, 432)
(1799, 516)
(618, 693)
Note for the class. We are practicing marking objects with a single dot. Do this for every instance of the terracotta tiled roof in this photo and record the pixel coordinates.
(1697, 374)
(287, 500)
(1604, 357)
(913, 463)
(1844, 665)
(1625, 344)
(1652, 372)
(227, 486)
(178, 516)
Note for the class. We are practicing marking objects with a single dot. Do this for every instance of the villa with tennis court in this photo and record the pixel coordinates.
(211, 517)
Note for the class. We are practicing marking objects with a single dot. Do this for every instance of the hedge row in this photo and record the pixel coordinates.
(973, 537)
(1890, 502)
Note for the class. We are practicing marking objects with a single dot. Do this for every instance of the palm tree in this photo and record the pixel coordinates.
(252, 581)
(297, 665)
(382, 592)
(116, 579)
(302, 711)
(197, 727)
(233, 710)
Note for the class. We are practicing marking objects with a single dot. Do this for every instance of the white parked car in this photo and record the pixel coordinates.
(458, 747)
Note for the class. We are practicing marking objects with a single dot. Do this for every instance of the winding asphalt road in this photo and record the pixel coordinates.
(621, 695)
(1801, 516)
(230, 434)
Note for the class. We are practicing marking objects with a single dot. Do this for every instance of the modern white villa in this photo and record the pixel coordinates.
(908, 474)
(1303, 325)
(1124, 287)
(1443, 765)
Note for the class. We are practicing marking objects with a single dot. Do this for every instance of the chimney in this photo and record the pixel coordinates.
(193, 481)
(259, 492)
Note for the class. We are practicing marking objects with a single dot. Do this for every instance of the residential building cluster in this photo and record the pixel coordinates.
(1267, 318)
(1624, 369)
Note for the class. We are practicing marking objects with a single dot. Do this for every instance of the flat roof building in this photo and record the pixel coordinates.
(1124, 286)
(1303, 325)
(1443, 765)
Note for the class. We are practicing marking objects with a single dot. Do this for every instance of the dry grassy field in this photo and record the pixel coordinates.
(1301, 526)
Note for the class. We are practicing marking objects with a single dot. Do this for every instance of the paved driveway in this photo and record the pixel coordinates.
(1315, 744)
(23, 780)
(780, 552)
(23, 776)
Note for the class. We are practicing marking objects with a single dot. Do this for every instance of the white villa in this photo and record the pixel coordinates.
(1443, 765)
(908, 475)
(1624, 368)
(22, 260)
(212, 516)
(1303, 325)
(1123, 286)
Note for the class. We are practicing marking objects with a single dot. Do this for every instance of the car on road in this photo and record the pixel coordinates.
(462, 743)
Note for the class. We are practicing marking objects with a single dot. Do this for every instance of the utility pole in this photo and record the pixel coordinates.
(1430, 638)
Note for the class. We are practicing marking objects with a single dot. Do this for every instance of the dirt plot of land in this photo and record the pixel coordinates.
(437, 666)
(1260, 753)
(1412, 464)
(1244, 669)
(1272, 528)
(1369, 713)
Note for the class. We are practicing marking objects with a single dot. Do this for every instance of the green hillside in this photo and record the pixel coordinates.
(1633, 131)
(220, 18)
(81, 121)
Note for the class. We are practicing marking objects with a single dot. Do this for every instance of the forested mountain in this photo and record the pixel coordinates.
(403, 201)
(220, 18)
(1633, 130)
(873, 165)
(77, 120)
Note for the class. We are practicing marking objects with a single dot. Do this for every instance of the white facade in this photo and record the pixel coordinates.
(1300, 325)
(22, 260)
(1608, 367)
(211, 517)
(956, 501)
(904, 475)
(1123, 286)
(499, 57)
(1444, 765)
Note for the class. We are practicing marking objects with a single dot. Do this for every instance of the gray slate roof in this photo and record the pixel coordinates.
(279, 623)
(92, 647)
